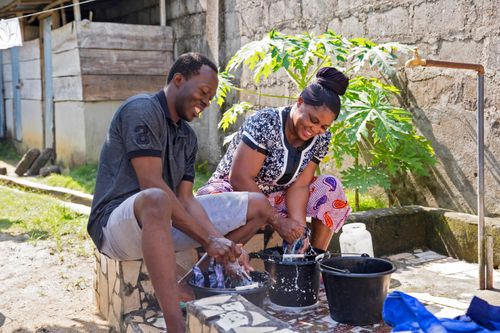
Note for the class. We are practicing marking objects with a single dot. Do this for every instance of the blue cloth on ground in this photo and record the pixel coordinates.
(485, 314)
(405, 313)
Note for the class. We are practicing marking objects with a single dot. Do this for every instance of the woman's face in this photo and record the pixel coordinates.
(309, 121)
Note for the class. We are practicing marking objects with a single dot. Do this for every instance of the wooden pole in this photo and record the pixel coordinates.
(63, 16)
(163, 13)
(489, 262)
(76, 10)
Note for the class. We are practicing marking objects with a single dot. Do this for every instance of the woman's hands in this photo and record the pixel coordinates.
(289, 229)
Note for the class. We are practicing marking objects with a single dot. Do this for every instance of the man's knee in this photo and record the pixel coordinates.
(153, 205)
(259, 207)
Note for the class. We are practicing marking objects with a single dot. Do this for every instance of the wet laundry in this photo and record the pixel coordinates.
(217, 277)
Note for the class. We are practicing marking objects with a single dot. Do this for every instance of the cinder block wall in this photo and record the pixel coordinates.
(443, 101)
(396, 230)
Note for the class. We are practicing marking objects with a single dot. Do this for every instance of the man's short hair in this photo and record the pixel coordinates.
(189, 64)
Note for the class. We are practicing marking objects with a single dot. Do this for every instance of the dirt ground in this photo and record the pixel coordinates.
(44, 292)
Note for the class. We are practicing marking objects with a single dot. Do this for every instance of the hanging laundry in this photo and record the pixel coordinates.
(10, 33)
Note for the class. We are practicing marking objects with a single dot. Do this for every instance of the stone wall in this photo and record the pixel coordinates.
(196, 30)
(443, 101)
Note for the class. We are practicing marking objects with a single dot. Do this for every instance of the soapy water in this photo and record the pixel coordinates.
(217, 277)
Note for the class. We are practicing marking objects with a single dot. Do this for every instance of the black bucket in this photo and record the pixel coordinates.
(254, 295)
(356, 288)
(293, 283)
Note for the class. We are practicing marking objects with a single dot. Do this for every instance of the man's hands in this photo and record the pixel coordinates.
(289, 229)
(223, 249)
(226, 251)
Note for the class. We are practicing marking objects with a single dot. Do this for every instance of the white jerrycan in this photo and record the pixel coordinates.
(355, 239)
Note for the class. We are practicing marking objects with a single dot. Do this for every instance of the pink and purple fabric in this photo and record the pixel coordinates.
(327, 200)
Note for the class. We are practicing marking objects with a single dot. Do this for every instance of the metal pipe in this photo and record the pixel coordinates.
(481, 246)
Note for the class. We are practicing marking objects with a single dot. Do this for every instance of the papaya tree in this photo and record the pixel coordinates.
(372, 130)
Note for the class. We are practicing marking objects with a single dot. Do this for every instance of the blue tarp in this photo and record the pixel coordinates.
(405, 313)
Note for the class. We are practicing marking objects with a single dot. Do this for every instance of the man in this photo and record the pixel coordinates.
(144, 205)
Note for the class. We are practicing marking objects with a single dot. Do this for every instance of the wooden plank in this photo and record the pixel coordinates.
(2, 106)
(7, 70)
(163, 13)
(116, 62)
(18, 129)
(8, 89)
(6, 57)
(29, 69)
(66, 63)
(31, 89)
(105, 35)
(47, 87)
(119, 87)
(64, 38)
(30, 50)
(68, 88)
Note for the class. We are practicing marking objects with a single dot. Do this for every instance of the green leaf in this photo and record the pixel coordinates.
(231, 115)
(225, 86)
(364, 177)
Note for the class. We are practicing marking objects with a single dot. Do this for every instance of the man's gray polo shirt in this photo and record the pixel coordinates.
(141, 127)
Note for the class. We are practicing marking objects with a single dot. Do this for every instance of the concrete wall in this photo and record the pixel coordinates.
(197, 30)
(443, 101)
(402, 229)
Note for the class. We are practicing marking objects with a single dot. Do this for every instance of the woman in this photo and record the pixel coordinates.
(277, 151)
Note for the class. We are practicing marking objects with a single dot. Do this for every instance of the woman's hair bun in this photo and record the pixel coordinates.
(332, 79)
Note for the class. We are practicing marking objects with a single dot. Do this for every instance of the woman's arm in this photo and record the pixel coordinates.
(246, 165)
(297, 195)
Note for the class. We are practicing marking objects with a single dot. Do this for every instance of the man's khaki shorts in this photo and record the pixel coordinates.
(122, 234)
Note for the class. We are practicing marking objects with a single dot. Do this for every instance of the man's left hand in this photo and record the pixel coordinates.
(223, 249)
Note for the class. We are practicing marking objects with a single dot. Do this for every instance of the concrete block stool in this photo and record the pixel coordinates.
(124, 294)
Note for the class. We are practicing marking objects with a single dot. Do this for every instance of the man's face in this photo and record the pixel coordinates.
(195, 94)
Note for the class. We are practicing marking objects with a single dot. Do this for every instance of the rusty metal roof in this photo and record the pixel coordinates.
(13, 8)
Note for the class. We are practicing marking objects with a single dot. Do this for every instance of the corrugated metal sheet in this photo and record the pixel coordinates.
(12, 8)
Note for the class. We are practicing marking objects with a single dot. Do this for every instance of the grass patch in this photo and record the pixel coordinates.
(200, 180)
(8, 153)
(366, 201)
(42, 217)
(81, 179)
(203, 173)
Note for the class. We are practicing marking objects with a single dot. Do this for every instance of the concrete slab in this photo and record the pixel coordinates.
(444, 285)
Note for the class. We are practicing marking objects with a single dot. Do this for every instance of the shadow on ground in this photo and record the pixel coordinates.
(82, 326)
